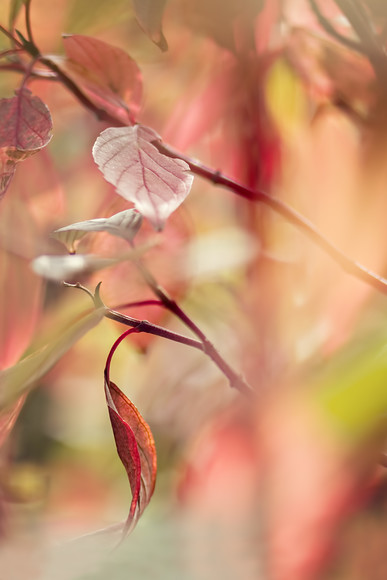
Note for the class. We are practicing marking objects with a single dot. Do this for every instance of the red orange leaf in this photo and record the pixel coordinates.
(25, 129)
(149, 14)
(105, 74)
(155, 183)
(135, 447)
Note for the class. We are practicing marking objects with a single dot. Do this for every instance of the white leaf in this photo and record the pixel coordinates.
(60, 268)
(155, 183)
(124, 224)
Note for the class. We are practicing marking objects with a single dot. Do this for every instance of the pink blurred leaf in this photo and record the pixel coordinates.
(136, 449)
(155, 183)
(25, 129)
(8, 418)
(105, 74)
(149, 14)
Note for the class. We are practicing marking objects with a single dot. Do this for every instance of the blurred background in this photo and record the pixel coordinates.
(286, 486)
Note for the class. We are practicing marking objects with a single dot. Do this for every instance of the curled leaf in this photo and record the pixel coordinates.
(149, 14)
(135, 447)
(124, 224)
(25, 128)
(105, 74)
(134, 442)
(155, 183)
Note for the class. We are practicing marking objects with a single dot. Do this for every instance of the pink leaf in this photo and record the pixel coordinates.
(155, 183)
(136, 449)
(25, 129)
(149, 14)
(105, 74)
(8, 418)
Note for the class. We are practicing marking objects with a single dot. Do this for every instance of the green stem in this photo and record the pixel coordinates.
(28, 23)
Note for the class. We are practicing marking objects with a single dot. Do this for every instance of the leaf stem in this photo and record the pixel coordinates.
(235, 380)
(113, 350)
(203, 344)
(150, 328)
(330, 29)
(288, 213)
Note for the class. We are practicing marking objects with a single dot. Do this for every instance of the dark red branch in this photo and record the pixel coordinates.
(288, 213)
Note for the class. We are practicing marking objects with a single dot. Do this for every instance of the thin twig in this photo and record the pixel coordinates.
(138, 304)
(19, 67)
(101, 114)
(144, 325)
(11, 37)
(361, 24)
(235, 380)
(150, 328)
(79, 287)
(9, 52)
(289, 214)
(331, 30)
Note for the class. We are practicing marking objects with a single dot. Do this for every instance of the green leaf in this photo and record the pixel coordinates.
(352, 392)
(18, 379)
(14, 9)
(149, 14)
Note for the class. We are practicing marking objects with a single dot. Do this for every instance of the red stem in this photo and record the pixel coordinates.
(113, 350)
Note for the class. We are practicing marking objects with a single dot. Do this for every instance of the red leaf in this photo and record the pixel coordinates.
(105, 74)
(136, 449)
(149, 14)
(25, 129)
(155, 183)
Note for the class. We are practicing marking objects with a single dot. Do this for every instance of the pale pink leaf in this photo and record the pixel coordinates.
(25, 128)
(155, 183)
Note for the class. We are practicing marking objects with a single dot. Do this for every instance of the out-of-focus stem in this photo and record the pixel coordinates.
(288, 213)
(236, 381)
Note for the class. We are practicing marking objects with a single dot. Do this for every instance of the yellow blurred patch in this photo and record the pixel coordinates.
(285, 97)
